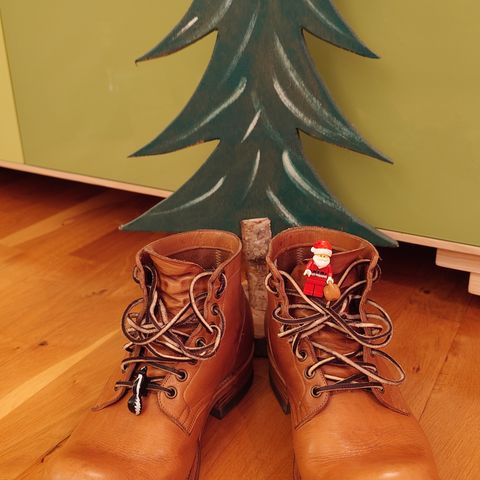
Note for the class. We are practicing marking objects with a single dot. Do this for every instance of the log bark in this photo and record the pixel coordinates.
(256, 237)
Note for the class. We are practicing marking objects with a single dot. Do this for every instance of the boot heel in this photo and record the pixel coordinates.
(279, 390)
(236, 389)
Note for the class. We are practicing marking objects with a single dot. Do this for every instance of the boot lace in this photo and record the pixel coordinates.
(155, 340)
(343, 316)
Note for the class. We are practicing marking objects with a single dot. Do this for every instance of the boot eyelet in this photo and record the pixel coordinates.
(315, 392)
(302, 355)
(171, 392)
(222, 287)
(309, 376)
(200, 342)
(215, 309)
(182, 375)
(273, 285)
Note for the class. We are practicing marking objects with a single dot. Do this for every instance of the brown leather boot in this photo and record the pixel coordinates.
(189, 354)
(349, 419)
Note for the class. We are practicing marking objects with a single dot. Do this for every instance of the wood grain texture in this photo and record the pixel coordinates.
(451, 417)
(65, 279)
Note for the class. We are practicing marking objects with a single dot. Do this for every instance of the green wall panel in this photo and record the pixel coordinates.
(83, 105)
(420, 105)
(10, 143)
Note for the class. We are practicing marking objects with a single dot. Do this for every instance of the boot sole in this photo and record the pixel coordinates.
(229, 394)
(233, 389)
(280, 392)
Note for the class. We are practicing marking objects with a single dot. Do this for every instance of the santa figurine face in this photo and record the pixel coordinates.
(322, 251)
(321, 260)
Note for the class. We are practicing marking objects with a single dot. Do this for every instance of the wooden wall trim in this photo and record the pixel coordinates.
(76, 177)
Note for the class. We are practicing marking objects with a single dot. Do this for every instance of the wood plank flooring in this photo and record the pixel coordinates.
(65, 280)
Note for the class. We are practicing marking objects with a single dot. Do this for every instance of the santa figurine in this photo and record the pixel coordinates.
(318, 270)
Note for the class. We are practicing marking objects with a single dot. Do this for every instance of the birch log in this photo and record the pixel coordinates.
(256, 236)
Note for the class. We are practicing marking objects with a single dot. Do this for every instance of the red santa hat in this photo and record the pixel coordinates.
(323, 247)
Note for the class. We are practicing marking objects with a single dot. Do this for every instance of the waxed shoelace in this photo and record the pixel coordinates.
(155, 340)
(375, 333)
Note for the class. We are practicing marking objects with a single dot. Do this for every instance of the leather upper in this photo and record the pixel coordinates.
(364, 434)
(163, 441)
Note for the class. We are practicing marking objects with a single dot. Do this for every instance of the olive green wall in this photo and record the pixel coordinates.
(10, 144)
(419, 104)
(83, 105)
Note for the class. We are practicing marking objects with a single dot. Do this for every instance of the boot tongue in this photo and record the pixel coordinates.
(174, 280)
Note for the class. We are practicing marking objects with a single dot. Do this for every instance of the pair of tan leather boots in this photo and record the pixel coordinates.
(189, 354)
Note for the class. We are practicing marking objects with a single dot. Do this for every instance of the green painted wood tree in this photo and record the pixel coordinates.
(259, 90)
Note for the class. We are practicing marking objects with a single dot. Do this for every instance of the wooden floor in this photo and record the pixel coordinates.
(65, 280)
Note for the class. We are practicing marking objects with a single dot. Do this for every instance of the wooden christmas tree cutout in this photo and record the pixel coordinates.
(259, 90)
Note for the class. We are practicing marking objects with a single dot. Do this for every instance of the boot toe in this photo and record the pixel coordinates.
(97, 465)
(85, 465)
(368, 468)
